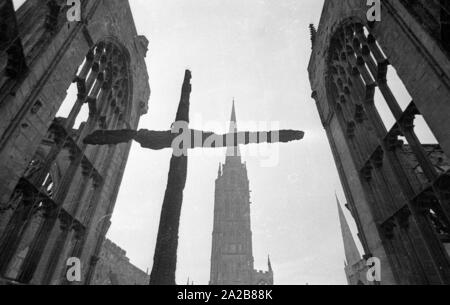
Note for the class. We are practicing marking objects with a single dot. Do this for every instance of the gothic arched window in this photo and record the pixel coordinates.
(62, 184)
(389, 153)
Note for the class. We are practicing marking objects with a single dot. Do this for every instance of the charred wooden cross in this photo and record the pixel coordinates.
(165, 258)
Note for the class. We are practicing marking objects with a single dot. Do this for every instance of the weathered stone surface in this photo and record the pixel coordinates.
(114, 268)
(402, 213)
(44, 166)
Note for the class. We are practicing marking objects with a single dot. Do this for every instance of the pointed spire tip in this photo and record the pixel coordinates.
(233, 112)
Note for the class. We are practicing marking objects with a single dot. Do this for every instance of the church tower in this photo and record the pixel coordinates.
(232, 251)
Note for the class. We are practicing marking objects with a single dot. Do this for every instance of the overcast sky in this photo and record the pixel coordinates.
(256, 51)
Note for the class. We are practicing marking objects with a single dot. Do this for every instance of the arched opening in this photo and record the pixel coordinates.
(382, 123)
(58, 195)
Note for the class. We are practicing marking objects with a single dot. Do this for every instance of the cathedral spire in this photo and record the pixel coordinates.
(352, 254)
(233, 152)
(233, 118)
(232, 247)
(269, 264)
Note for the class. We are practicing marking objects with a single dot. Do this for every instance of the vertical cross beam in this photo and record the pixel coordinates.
(165, 258)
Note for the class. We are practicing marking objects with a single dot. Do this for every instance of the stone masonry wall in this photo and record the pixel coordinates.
(114, 268)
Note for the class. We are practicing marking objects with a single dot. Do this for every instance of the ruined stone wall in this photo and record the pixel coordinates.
(434, 16)
(437, 157)
(39, 230)
(263, 278)
(114, 268)
(357, 274)
(401, 222)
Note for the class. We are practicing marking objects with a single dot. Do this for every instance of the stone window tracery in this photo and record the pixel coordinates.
(358, 84)
(102, 86)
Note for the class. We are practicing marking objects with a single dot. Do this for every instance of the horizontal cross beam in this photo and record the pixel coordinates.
(190, 138)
